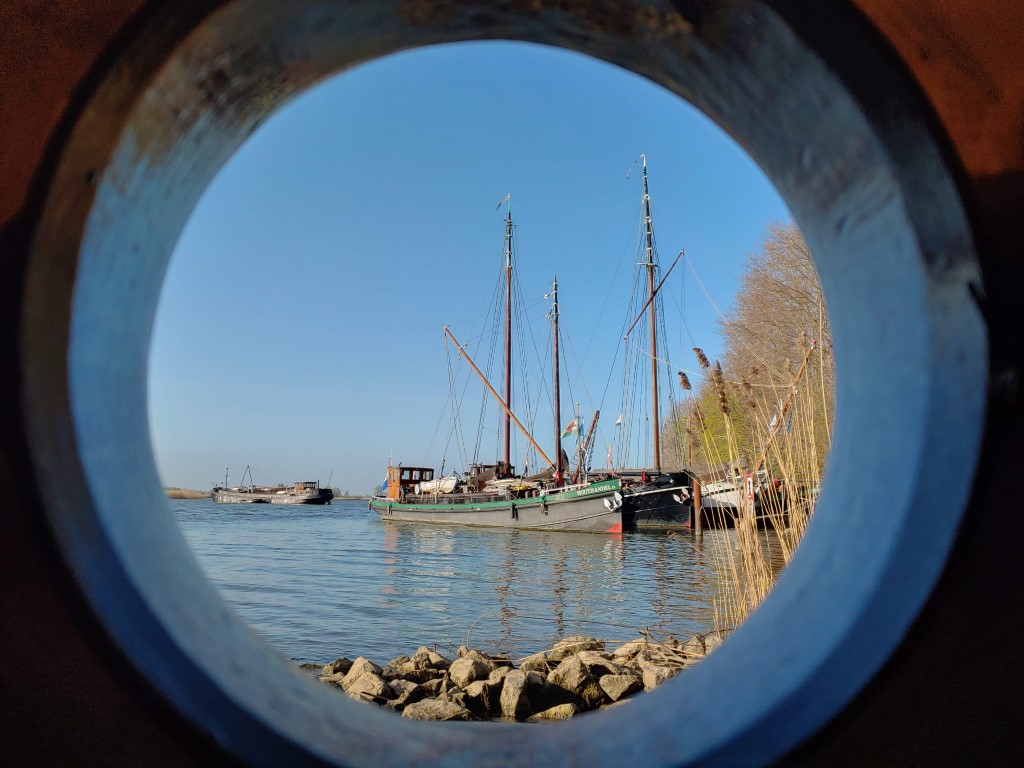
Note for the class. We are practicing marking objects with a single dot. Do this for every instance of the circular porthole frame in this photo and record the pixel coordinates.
(816, 100)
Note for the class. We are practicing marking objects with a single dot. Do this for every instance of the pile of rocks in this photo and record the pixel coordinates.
(575, 675)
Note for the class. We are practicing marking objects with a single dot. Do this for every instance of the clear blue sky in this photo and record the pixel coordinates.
(300, 326)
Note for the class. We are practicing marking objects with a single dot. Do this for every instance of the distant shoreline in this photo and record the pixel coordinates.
(186, 493)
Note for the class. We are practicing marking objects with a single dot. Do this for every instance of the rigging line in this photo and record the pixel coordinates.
(707, 295)
(492, 351)
(528, 452)
(646, 353)
(721, 316)
(532, 411)
(524, 377)
(681, 306)
(579, 365)
(541, 360)
(613, 283)
(456, 411)
(544, 390)
(656, 290)
(437, 427)
(630, 311)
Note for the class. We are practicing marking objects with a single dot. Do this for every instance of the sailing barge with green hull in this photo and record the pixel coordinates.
(492, 494)
(593, 507)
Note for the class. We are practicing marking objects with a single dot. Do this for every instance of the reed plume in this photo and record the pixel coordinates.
(702, 359)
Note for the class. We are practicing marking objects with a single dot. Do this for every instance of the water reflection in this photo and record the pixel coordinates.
(322, 583)
(547, 585)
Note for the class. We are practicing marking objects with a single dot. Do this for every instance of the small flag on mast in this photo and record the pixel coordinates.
(504, 200)
(571, 428)
(618, 421)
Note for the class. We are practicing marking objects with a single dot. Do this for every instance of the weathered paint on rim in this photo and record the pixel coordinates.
(818, 103)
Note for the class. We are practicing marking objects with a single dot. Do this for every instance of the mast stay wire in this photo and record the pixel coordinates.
(456, 410)
(721, 316)
(495, 323)
(611, 288)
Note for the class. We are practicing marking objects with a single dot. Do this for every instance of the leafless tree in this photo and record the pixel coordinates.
(778, 320)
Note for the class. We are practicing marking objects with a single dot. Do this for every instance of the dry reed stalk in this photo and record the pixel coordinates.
(185, 493)
(795, 458)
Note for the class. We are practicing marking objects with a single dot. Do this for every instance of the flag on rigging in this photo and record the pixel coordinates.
(618, 421)
(571, 428)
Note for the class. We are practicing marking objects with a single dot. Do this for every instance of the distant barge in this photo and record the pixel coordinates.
(300, 493)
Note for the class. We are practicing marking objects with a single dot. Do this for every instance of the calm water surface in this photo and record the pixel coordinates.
(323, 582)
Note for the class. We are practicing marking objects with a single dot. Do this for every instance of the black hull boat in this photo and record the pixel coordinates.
(662, 502)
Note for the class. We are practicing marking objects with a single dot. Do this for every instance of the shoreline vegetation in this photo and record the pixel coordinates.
(173, 492)
(767, 407)
(185, 493)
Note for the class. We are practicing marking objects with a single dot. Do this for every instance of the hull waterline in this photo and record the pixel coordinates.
(593, 509)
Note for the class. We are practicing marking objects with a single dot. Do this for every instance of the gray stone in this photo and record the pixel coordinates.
(515, 703)
(420, 676)
(497, 676)
(482, 698)
(538, 662)
(400, 686)
(573, 676)
(544, 695)
(630, 649)
(573, 645)
(370, 684)
(599, 663)
(433, 709)
(334, 680)
(409, 696)
(338, 666)
(712, 641)
(394, 667)
(468, 669)
(535, 678)
(694, 647)
(456, 696)
(654, 674)
(359, 668)
(618, 686)
(433, 686)
(424, 657)
(557, 712)
(447, 685)
(483, 658)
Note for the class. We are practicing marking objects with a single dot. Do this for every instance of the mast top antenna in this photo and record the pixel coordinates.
(643, 157)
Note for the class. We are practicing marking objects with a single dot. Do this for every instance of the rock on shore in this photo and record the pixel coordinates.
(575, 675)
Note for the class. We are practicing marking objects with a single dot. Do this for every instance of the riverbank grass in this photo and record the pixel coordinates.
(185, 493)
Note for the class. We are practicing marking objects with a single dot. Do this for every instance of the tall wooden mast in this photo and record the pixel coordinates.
(558, 409)
(649, 239)
(508, 334)
(496, 396)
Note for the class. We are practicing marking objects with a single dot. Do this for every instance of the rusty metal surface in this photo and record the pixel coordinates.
(967, 59)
